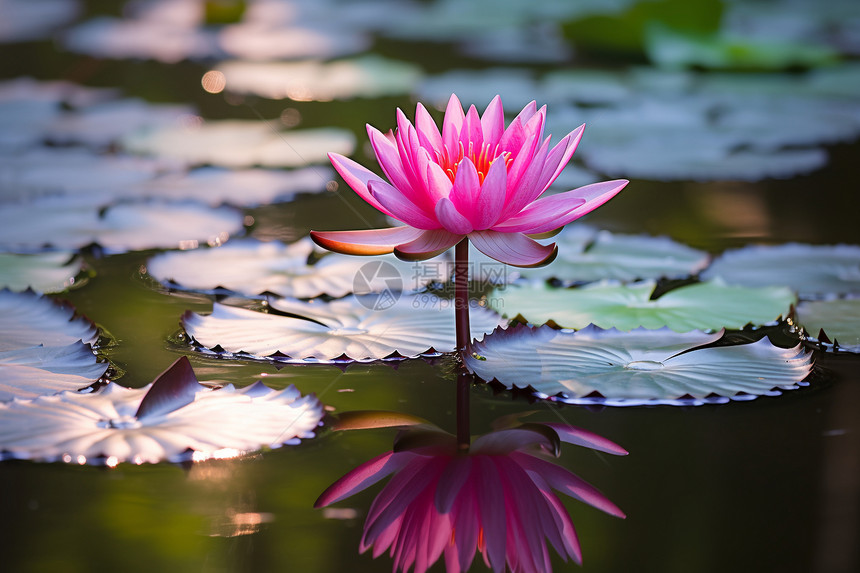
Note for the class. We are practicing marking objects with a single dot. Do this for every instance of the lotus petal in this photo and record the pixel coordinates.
(700, 306)
(105, 428)
(364, 328)
(252, 268)
(811, 270)
(637, 367)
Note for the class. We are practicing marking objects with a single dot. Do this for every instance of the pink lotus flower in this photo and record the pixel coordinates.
(475, 179)
(496, 498)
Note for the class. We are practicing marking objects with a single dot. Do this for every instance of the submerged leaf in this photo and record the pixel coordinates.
(811, 270)
(104, 428)
(839, 320)
(700, 306)
(637, 367)
(368, 327)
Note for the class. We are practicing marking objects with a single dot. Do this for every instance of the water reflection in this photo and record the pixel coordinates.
(496, 496)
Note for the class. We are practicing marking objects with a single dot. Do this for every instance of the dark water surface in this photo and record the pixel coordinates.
(771, 484)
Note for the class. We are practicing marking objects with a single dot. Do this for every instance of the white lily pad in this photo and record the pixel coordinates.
(367, 76)
(811, 270)
(39, 370)
(104, 123)
(586, 254)
(67, 223)
(253, 268)
(28, 319)
(272, 41)
(240, 187)
(175, 418)
(24, 20)
(241, 143)
(701, 306)
(637, 367)
(43, 272)
(838, 320)
(355, 328)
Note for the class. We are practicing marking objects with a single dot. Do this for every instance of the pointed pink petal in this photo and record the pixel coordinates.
(428, 132)
(491, 199)
(356, 176)
(558, 158)
(400, 207)
(539, 216)
(452, 124)
(177, 386)
(451, 219)
(513, 248)
(493, 121)
(567, 483)
(580, 437)
(427, 245)
(466, 187)
(438, 183)
(388, 157)
(451, 482)
(472, 134)
(526, 188)
(568, 531)
(362, 477)
(365, 242)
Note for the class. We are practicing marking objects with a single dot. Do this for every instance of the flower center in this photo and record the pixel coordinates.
(481, 157)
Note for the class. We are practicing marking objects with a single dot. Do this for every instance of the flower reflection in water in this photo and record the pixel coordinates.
(496, 497)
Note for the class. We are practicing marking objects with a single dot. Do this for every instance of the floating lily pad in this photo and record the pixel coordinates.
(67, 223)
(41, 370)
(367, 76)
(240, 187)
(586, 254)
(265, 40)
(44, 272)
(839, 320)
(637, 367)
(26, 21)
(252, 268)
(28, 319)
(702, 306)
(363, 328)
(241, 143)
(102, 124)
(175, 418)
(811, 270)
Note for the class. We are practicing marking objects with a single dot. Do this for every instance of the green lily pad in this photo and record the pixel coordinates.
(44, 272)
(811, 270)
(701, 306)
(836, 323)
(638, 367)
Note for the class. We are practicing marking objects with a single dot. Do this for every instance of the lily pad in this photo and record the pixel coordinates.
(40, 370)
(175, 418)
(367, 76)
(354, 328)
(44, 272)
(586, 254)
(240, 143)
(835, 323)
(28, 319)
(216, 186)
(253, 268)
(811, 270)
(640, 367)
(69, 223)
(701, 306)
(26, 21)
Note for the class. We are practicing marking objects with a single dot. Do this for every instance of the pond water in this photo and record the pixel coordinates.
(770, 484)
